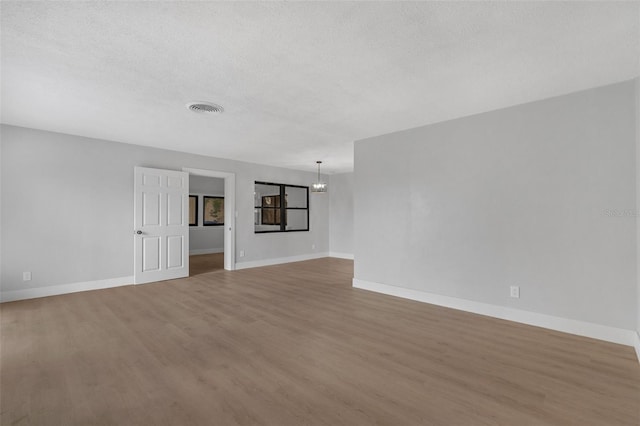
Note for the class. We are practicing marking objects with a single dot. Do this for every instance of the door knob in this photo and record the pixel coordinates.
(139, 232)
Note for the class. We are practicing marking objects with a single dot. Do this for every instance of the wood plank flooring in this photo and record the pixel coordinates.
(295, 344)
(203, 263)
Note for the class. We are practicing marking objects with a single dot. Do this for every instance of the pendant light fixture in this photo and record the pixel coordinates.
(319, 186)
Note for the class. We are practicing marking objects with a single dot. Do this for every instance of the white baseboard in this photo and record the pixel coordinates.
(341, 255)
(279, 260)
(580, 328)
(32, 293)
(205, 251)
(637, 344)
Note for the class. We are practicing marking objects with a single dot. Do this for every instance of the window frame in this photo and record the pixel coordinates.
(283, 207)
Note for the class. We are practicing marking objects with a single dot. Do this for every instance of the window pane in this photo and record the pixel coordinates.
(270, 201)
(270, 216)
(263, 190)
(297, 220)
(263, 228)
(296, 197)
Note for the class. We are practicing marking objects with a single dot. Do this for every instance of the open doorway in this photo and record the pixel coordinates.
(229, 212)
(206, 224)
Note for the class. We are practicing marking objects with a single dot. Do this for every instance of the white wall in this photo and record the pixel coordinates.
(206, 185)
(523, 196)
(341, 215)
(205, 239)
(67, 207)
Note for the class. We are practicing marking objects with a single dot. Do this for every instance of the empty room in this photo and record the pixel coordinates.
(320, 213)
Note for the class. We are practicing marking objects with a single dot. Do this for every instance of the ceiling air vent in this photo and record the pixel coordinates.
(205, 107)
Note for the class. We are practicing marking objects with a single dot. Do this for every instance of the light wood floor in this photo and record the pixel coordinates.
(296, 345)
(203, 263)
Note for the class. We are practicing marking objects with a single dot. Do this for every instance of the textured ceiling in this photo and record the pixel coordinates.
(299, 81)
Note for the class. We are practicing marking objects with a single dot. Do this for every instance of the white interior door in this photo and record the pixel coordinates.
(161, 225)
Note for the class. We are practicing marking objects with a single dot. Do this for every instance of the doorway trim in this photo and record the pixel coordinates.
(229, 211)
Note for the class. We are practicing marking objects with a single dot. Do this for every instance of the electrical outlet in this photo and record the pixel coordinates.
(26, 276)
(241, 253)
(313, 246)
(515, 291)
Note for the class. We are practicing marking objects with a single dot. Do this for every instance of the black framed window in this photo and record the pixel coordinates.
(280, 207)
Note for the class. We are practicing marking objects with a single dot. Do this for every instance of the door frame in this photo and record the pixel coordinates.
(229, 211)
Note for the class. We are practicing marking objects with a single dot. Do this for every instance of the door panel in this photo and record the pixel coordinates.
(150, 179)
(175, 248)
(161, 227)
(151, 209)
(174, 210)
(151, 253)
